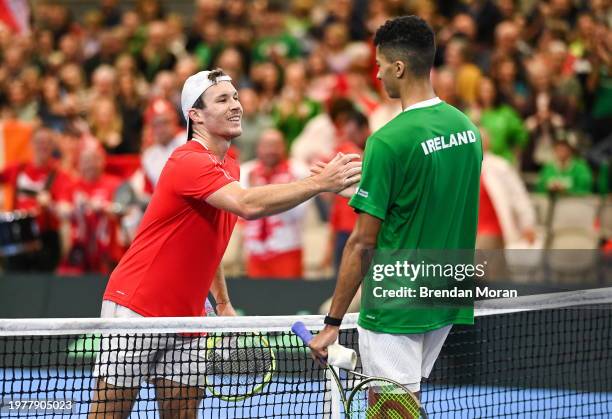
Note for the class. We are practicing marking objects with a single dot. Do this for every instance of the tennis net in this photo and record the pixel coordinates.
(539, 356)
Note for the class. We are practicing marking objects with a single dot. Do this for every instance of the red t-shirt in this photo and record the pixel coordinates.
(488, 222)
(168, 269)
(28, 180)
(93, 233)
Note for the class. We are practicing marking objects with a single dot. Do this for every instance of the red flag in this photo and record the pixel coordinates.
(16, 15)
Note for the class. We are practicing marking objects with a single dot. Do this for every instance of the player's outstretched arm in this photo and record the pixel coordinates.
(262, 201)
(355, 262)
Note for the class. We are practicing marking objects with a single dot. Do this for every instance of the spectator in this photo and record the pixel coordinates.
(177, 41)
(71, 141)
(274, 43)
(70, 49)
(543, 92)
(598, 82)
(93, 242)
(510, 89)
(185, 67)
(166, 135)
(294, 109)
(334, 47)
(111, 13)
(165, 87)
(356, 83)
(508, 43)
(320, 136)
(467, 74)
(92, 27)
(445, 86)
(155, 55)
(231, 61)
(73, 85)
(348, 13)
(130, 106)
(342, 218)
(21, 100)
(567, 173)
(210, 45)
(564, 81)
(107, 126)
(104, 85)
(507, 135)
(543, 125)
(267, 82)
(38, 185)
(322, 81)
(111, 46)
(13, 61)
(254, 123)
(135, 32)
(506, 215)
(51, 109)
(206, 13)
(273, 245)
(150, 10)
(235, 12)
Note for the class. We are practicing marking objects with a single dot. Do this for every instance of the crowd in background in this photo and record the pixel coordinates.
(89, 107)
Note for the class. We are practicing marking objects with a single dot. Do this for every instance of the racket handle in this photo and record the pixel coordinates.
(302, 332)
(208, 307)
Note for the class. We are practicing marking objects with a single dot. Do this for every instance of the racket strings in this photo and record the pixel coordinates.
(379, 399)
(236, 365)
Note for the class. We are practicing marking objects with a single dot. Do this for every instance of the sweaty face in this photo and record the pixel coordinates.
(222, 114)
(386, 74)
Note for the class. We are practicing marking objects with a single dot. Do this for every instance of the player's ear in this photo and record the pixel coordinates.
(400, 68)
(195, 115)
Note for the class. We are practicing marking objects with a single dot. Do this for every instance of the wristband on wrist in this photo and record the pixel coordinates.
(332, 321)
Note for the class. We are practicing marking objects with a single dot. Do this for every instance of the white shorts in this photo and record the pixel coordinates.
(130, 360)
(403, 358)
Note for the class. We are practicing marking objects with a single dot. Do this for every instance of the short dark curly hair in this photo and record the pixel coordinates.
(409, 39)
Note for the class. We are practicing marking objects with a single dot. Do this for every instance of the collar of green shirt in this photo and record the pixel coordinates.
(424, 104)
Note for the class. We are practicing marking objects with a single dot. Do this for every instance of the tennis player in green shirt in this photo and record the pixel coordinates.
(419, 190)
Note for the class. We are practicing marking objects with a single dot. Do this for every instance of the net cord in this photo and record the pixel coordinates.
(74, 326)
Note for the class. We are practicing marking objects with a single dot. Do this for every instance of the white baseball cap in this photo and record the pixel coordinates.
(194, 87)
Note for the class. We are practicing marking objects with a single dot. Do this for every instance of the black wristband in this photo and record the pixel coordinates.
(332, 321)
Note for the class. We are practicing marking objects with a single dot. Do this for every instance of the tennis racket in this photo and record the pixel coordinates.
(238, 366)
(370, 397)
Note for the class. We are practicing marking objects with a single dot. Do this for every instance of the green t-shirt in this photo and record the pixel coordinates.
(576, 177)
(506, 131)
(421, 176)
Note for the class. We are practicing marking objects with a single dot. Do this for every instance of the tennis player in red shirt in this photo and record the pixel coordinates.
(175, 258)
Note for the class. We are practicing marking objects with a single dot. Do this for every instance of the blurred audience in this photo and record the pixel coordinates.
(528, 72)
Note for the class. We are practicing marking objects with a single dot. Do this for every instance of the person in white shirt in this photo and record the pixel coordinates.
(274, 244)
(167, 135)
